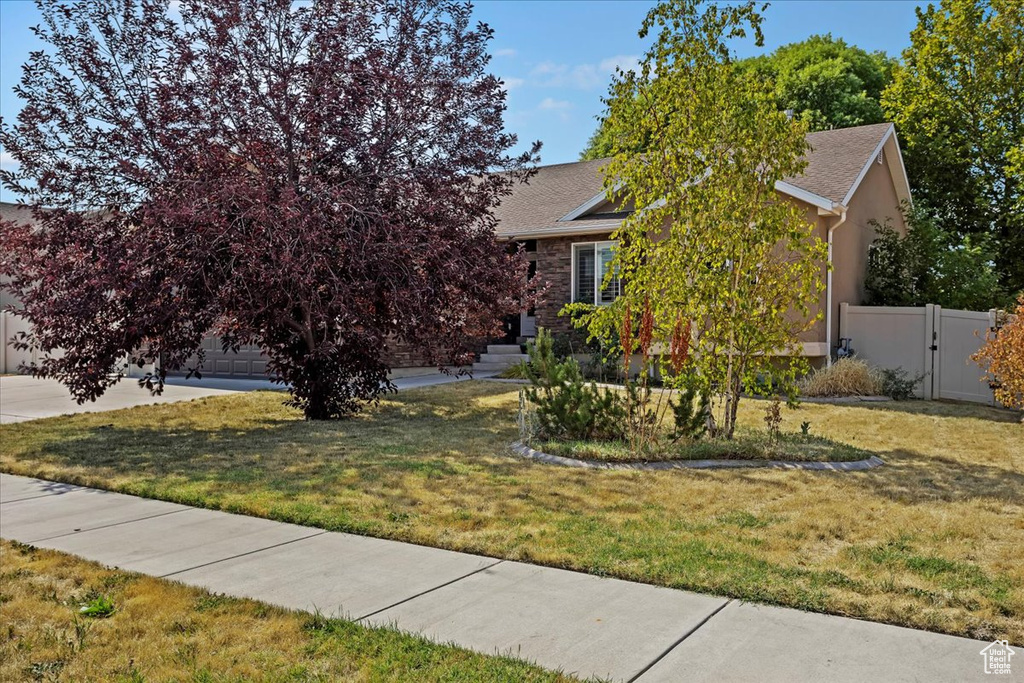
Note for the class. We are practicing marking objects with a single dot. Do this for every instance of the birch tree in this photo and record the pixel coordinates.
(713, 248)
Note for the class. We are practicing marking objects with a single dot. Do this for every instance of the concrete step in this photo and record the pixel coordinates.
(491, 367)
(508, 358)
(504, 348)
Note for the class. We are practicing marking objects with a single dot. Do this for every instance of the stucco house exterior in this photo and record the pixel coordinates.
(853, 176)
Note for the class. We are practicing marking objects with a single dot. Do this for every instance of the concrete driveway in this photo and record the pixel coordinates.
(24, 398)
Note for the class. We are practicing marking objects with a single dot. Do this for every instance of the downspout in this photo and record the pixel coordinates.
(828, 290)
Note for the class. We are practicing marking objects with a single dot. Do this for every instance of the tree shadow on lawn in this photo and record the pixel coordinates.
(954, 409)
(910, 477)
(291, 457)
(906, 477)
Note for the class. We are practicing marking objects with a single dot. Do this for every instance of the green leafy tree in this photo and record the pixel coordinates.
(715, 251)
(931, 266)
(957, 101)
(825, 81)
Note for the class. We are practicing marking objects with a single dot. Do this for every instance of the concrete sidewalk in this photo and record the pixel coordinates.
(25, 398)
(564, 620)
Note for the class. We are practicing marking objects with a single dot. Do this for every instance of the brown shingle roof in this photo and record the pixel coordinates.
(835, 160)
(16, 212)
(551, 193)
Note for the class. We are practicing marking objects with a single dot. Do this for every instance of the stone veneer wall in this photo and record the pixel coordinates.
(554, 265)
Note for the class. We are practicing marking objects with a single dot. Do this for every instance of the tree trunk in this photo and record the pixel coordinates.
(732, 405)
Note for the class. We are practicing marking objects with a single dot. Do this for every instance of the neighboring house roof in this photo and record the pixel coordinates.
(15, 212)
(559, 199)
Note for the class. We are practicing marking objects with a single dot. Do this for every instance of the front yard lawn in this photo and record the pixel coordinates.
(934, 539)
(748, 444)
(155, 630)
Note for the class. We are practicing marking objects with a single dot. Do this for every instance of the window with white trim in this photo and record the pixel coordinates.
(590, 263)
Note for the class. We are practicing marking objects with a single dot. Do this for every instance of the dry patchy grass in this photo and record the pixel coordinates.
(934, 539)
(748, 444)
(163, 631)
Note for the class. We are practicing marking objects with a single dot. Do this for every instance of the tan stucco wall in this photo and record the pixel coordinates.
(875, 199)
(817, 332)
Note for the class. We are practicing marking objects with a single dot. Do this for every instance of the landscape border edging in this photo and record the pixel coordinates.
(524, 451)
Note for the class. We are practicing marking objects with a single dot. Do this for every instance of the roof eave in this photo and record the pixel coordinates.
(823, 203)
(534, 233)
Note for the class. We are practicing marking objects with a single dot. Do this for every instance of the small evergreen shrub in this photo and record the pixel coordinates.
(567, 405)
(690, 414)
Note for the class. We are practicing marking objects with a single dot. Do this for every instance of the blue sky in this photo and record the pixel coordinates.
(557, 56)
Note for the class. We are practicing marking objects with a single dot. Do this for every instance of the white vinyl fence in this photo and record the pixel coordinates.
(930, 341)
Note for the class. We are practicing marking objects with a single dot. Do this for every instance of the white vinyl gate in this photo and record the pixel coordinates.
(930, 341)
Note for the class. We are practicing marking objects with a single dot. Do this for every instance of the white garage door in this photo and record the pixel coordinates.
(11, 359)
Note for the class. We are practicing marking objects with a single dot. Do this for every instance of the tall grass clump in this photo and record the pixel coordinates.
(845, 377)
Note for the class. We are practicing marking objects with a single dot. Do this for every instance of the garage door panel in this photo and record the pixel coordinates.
(248, 361)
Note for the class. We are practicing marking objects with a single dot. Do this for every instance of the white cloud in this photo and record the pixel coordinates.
(551, 103)
(505, 52)
(581, 76)
(512, 83)
(624, 62)
(559, 107)
(8, 161)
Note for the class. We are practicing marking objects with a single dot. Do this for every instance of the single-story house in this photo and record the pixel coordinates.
(562, 217)
(853, 176)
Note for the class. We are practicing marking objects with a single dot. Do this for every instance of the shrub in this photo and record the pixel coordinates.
(773, 421)
(600, 342)
(930, 265)
(1002, 357)
(518, 371)
(845, 377)
(565, 344)
(898, 385)
(567, 405)
(690, 416)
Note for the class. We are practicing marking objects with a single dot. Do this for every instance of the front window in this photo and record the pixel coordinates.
(590, 263)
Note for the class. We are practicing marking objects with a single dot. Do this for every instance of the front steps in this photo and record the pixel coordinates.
(499, 357)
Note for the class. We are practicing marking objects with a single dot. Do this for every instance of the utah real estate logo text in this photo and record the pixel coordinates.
(997, 657)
